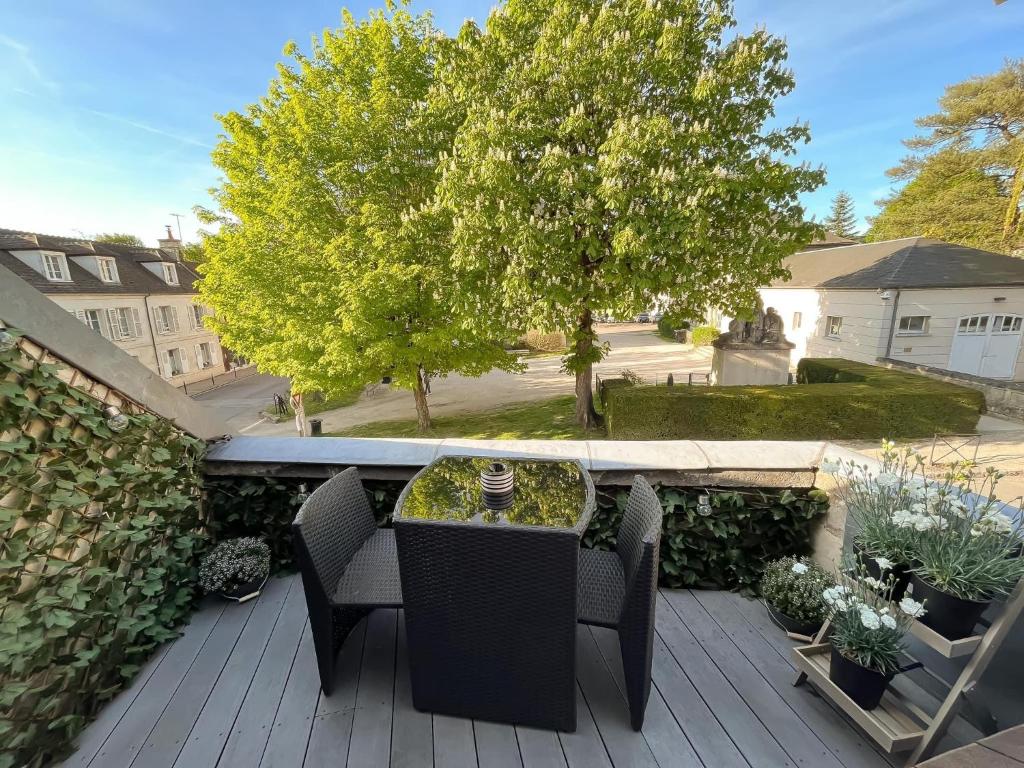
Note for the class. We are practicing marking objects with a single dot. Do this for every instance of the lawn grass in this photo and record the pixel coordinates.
(553, 419)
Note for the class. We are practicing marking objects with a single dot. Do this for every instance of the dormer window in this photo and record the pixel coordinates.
(108, 270)
(55, 267)
(170, 274)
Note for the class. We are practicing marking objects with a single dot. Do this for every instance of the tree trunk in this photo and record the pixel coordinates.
(585, 414)
(422, 409)
(300, 413)
(1012, 218)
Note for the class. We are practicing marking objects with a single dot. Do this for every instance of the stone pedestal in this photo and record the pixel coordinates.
(737, 363)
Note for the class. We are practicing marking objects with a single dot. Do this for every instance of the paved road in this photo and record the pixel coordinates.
(241, 402)
(636, 347)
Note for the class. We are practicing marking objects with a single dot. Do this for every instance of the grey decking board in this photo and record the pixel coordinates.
(583, 748)
(540, 748)
(851, 748)
(207, 738)
(496, 745)
(171, 731)
(370, 745)
(707, 736)
(412, 732)
(131, 731)
(90, 741)
(802, 744)
(611, 714)
(332, 724)
(454, 744)
(248, 738)
(754, 741)
(286, 747)
(668, 743)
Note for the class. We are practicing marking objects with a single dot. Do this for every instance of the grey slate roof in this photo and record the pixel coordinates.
(135, 278)
(830, 240)
(912, 262)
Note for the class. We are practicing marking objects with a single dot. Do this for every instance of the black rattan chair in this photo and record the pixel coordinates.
(619, 589)
(349, 566)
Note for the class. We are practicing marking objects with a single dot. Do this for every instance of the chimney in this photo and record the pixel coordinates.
(171, 244)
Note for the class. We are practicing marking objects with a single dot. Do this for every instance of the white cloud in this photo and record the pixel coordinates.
(24, 54)
(149, 128)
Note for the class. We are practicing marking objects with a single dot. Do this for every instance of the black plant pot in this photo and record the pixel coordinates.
(900, 572)
(790, 624)
(950, 616)
(246, 591)
(865, 686)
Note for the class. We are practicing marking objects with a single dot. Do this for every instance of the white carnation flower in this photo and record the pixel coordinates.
(831, 465)
(886, 480)
(884, 563)
(799, 568)
(911, 607)
(888, 621)
(870, 619)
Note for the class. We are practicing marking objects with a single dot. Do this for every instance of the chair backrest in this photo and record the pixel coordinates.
(639, 533)
(331, 526)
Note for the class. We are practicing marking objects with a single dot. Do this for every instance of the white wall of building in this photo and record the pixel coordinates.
(149, 342)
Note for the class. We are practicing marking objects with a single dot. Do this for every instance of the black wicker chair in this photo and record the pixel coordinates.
(349, 566)
(619, 589)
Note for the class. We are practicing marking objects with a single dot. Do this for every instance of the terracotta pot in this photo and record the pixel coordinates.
(900, 571)
(865, 686)
(790, 624)
(952, 617)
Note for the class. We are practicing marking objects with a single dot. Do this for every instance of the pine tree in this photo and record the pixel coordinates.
(842, 220)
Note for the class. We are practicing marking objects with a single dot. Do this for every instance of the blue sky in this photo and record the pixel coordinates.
(108, 106)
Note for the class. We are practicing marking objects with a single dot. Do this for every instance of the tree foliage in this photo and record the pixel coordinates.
(842, 220)
(119, 238)
(329, 266)
(611, 154)
(973, 154)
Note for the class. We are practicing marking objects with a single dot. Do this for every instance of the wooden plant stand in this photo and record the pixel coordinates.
(897, 724)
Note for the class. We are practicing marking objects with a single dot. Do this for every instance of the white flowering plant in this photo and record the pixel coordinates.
(234, 563)
(794, 586)
(951, 529)
(866, 627)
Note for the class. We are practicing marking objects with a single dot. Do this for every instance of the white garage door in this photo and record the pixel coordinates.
(986, 345)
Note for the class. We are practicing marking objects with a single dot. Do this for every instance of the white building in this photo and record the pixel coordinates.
(915, 300)
(141, 299)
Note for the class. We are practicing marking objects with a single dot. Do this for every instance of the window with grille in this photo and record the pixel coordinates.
(170, 274)
(108, 270)
(833, 326)
(55, 267)
(197, 315)
(1006, 324)
(175, 359)
(798, 319)
(204, 355)
(165, 320)
(913, 324)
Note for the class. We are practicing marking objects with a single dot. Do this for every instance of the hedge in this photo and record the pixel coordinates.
(703, 335)
(610, 384)
(727, 549)
(837, 399)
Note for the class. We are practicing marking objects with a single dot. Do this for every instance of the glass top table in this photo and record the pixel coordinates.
(549, 494)
(489, 591)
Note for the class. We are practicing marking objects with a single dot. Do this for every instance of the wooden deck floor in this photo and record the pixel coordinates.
(240, 688)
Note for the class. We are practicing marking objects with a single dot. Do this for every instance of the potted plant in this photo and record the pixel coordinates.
(968, 554)
(236, 568)
(867, 637)
(883, 540)
(791, 588)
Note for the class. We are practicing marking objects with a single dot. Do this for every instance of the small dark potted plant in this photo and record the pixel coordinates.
(867, 638)
(791, 588)
(236, 569)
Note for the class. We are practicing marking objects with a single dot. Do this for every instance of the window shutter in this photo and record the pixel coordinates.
(80, 314)
(158, 321)
(200, 362)
(104, 325)
(184, 359)
(174, 319)
(114, 323)
(138, 323)
(167, 364)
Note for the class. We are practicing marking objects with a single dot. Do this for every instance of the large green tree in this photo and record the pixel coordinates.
(950, 197)
(611, 154)
(326, 268)
(119, 238)
(975, 142)
(842, 219)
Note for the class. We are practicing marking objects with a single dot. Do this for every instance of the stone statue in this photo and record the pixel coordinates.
(764, 328)
(771, 329)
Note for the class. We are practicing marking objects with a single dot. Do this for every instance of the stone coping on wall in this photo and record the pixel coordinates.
(688, 462)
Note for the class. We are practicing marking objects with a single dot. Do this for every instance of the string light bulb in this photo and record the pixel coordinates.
(116, 420)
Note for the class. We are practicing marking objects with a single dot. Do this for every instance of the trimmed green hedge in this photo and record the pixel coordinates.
(747, 528)
(704, 335)
(610, 384)
(836, 399)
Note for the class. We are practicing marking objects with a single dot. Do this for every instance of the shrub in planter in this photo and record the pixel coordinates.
(236, 568)
(867, 637)
(792, 588)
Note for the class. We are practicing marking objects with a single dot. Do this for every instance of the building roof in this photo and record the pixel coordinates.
(135, 278)
(912, 262)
